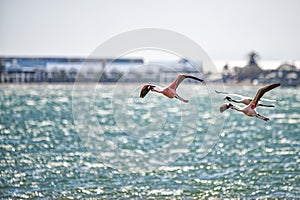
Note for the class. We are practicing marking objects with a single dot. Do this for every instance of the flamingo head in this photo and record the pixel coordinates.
(225, 106)
(228, 98)
(145, 89)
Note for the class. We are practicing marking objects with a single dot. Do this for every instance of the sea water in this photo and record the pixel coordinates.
(57, 143)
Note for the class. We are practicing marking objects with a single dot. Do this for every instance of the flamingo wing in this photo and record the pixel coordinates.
(243, 97)
(269, 100)
(180, 78)
(232, 94)
(145, 89)
(261, 92)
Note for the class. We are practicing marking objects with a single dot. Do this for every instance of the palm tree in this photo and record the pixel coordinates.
(252, 58)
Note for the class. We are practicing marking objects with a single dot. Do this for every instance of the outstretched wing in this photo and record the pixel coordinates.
(145, 89)
(269, 100)
(232, 94)
(261, 92)
(180, 78)
(243, 97)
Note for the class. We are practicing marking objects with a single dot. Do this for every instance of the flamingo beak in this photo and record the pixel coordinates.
(151, 87)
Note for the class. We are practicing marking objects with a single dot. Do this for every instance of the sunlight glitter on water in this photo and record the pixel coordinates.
(44, 156)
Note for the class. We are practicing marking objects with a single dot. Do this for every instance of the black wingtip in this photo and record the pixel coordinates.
(201, 80)
(275, 85)
(193, 77)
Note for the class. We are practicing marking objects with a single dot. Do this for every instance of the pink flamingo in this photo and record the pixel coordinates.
(249, 110)
(169, 91)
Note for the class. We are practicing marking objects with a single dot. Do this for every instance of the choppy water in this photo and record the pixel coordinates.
(45, 153)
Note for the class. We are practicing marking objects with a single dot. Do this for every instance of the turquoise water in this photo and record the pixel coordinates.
(46, 153)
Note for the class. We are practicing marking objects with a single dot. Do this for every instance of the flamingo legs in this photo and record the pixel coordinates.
(262, 117)
(181, 99)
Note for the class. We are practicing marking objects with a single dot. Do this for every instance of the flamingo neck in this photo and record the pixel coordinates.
(235, 108)
(158, 91)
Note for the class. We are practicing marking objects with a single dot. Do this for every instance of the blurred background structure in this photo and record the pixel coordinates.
(286, 73)
(53, 70)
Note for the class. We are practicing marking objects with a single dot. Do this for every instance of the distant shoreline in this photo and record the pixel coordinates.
(229, 84)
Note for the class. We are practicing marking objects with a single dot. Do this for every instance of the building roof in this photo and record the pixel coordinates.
(287, 67)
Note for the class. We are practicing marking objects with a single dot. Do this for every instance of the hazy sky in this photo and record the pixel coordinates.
(225, 29)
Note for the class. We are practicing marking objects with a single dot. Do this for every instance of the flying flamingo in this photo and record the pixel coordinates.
(243, 99)
(250, 109)
(169, 91)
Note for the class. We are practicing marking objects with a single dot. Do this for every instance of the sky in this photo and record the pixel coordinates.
(226, 30)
